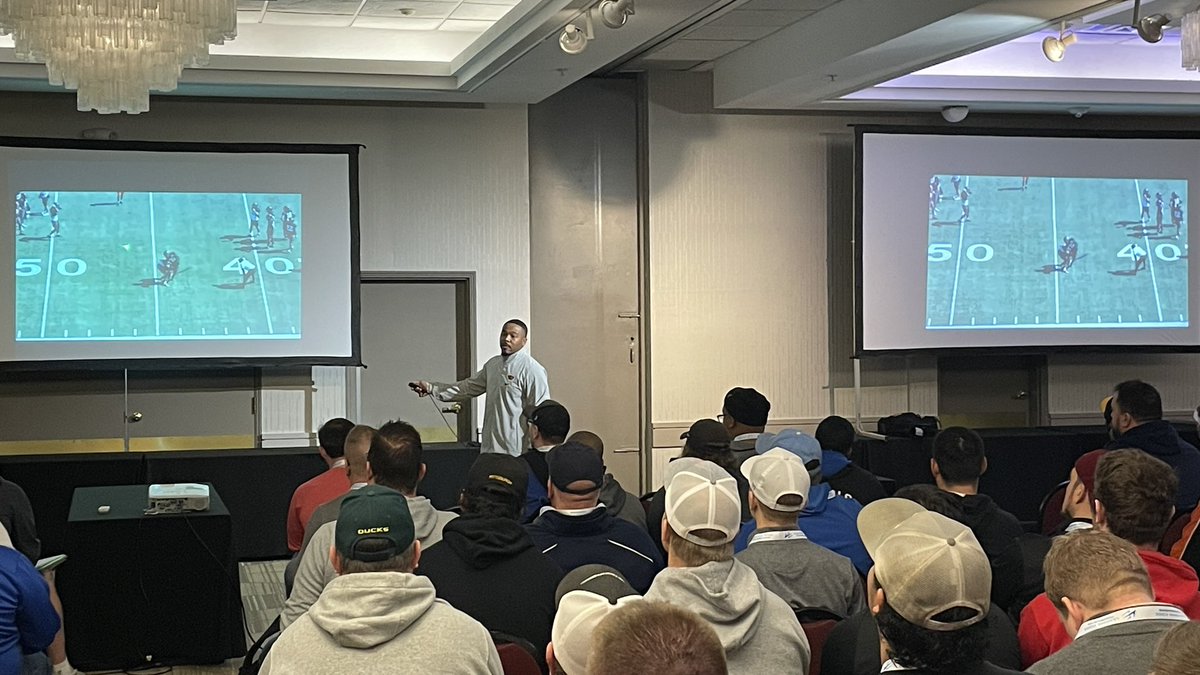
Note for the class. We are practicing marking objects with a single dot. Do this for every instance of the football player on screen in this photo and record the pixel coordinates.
(1067, 253)
(55, 226)
(255, 213)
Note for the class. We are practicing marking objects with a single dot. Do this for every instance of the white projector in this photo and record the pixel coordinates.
(178, 497)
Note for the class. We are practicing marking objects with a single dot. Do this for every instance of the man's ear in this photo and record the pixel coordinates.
(933, 468)
(1101, 519)
(370, 473)
(421, 473)
(876, 601)
(416, 554)
(335, 560)
(983, 466)
(662, 535)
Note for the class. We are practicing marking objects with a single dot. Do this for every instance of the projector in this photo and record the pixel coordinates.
(177, 498)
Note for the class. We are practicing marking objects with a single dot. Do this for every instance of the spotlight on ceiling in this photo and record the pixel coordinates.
(615, 13)
(574, 38)
(955, 113)
(1149, 28)
(1055, 48)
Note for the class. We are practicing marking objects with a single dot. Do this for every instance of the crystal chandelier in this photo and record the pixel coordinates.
(1189, 40)
(115, 51)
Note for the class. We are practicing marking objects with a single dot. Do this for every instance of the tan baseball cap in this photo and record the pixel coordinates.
(926, 563)
(775, 474)
(702, 496)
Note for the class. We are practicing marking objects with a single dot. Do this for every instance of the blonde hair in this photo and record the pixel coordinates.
(1091, 567)
(777, 516)
(695, 555)
(1178, 651)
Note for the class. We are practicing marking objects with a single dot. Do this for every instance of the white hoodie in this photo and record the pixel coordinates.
(383, 622)
(758, 630)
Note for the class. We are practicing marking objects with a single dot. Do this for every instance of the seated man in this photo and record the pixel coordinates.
(618, 500)
(377, 616)
(805, 575)
(836, 436)
(1078, 499)
(744, 414)
(31, 620)
(358, 443)
(577, 530)
(486, 564)
(1179, 650)
(549, 424)
(1137, 423)
(584, 598)
(759, 632)
(930, 589)
(331, 440)
(828, 516)
(670, 641)
(1102, 593)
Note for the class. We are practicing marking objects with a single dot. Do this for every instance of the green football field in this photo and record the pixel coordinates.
(99, 278)
(1001, 267)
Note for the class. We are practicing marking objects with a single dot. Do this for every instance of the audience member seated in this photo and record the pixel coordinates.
(576, 529)
(1102, 593)
(619, 501)
(828, 516)
(584, 597)
(1135, 497)
(331, 440)
(30, 622)
(706, 440)
(1178, 651)
(358, 443)
(486, 564)
(958, 462)
(757, 629)
(930, 589)
(393, 461)
(654, 637)
(377, 616)
(744, 414)
(852, 648)
(1077, 509)
(1137, 423)
(836, 436)
(549, 424)
(1189, 530)
(805, 575)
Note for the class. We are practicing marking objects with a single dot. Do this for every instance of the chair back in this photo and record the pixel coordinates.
(1051, 508)
(1174, 532)
(517, 656)
(817, 633)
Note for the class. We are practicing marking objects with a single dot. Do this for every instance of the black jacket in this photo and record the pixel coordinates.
(850, 479)
(998, 532)
(601, 538)
(1159, 438)
(490, 569)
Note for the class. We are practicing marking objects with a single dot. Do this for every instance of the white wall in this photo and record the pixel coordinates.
(442, 189)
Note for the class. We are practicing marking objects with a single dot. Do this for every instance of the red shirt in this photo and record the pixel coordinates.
(313, 493)
(1041, 632)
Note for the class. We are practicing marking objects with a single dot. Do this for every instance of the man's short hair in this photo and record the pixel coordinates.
(590, 439)
(1137, 492)
(1092, 567)
(959, 454)
(359, 437)
(332, 436)
(692, 554)
(912, 646)
(480, 501)
(520, 324)
(403, 562)
(836, 433)
(1179, 650)
(395, 456)
(1140, 400)
(655, 637)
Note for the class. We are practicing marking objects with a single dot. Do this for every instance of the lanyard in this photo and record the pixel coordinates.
(1140, 613)
(778, 535)
(890, 665)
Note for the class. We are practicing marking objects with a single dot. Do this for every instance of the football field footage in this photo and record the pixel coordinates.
(120, 266)
(1047, 252)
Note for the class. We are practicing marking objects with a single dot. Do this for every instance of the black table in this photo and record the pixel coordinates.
(140, 590)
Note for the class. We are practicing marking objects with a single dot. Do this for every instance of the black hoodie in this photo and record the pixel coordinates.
(998, 532)
(1159, 439)
(489, 568)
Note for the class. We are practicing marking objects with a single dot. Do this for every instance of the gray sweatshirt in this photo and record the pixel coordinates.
(1118, 649)
(758, 630)
(383, 622)
(805, 575)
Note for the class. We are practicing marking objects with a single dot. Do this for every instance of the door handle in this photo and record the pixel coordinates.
(1020, 396)
(632, 349)
(629, 315)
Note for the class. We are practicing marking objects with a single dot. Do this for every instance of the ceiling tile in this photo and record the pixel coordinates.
(346, 7)
(397, 23)
(465, 26)
(711, 32)
(421, 9)
(795, 5)
(777, 19)
(297, 19)
(510, 3)
(480, 11)
(697, 50)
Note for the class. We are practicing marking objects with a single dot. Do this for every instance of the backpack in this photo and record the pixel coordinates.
(908, 425)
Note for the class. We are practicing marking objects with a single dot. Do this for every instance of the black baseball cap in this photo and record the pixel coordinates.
(572, 462)
(706, 435)
(747, 406)
(499, 472)
(552, 419)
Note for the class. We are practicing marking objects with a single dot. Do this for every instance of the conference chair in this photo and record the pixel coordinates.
(1174, 532)
(817, 623)
(517, 655)
(1051, 508)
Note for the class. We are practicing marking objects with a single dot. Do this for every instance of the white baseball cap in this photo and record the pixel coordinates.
(702, 496)
(775, 474)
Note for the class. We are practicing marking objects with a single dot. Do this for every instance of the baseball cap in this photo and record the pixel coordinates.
(499, 472)
(551, 418)
(747, 406)
(373, 513)
(702, 496)
(1085, 468)
(584, 597)
(807, 448)
(775, 474)
(572, 462)
(707, 435)
(926, 563)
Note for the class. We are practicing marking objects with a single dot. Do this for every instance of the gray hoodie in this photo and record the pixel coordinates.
(316, 569)
(383, 622)
(758, 630)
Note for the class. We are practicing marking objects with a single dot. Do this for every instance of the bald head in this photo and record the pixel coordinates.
(358, 442)
(589, 439)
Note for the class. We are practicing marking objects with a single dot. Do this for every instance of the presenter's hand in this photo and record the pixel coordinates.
(421, 387)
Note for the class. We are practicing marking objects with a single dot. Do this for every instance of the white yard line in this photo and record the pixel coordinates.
(1137, 188)
(49, 274)
(154, 262)
(1054, 224)
(260, 275)
(958, 259)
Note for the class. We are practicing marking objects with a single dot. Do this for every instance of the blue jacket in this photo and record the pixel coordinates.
(27, 620)
(597, 538)
(829, 519)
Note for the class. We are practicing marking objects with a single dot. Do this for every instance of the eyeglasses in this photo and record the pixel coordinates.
(721, 417)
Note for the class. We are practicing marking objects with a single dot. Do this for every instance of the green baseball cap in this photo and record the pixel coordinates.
(373, 514)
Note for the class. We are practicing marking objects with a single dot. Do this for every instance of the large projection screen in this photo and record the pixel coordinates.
(152, 254)
(998, 239)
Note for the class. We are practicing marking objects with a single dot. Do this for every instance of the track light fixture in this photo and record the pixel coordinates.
(1055, 48)
(1149, 28)
(574, 38)
(615, 13)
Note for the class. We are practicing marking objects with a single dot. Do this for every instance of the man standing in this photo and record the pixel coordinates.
(514, 383)
(377, 616)
(744, 415)
(1137, 423)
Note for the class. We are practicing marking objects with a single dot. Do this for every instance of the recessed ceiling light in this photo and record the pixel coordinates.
(407, 11)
